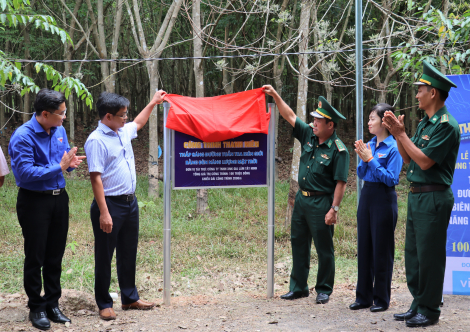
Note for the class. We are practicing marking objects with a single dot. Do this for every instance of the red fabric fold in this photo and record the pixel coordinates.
(215, 119)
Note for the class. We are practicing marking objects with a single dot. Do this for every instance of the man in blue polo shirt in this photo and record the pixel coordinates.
(114, 211)
(39, 153)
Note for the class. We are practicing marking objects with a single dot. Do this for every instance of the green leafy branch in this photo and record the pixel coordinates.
(454, 28)
(11, 71)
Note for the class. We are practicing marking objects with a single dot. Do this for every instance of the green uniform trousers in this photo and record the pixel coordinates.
(425, 248)
(308, 221)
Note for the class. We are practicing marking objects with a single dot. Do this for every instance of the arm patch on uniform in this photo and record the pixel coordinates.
(340, 145)
(444, 118)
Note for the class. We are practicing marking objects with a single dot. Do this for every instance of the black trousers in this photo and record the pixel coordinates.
(377, 215)
(124, 237)
(44, 221)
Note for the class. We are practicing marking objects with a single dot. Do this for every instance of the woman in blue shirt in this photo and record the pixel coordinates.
(377, 214)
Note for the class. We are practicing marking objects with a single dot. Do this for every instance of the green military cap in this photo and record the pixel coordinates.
(433, 77)
(325, 110)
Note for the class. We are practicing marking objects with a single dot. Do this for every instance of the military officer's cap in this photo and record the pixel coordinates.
(325, 110)
(433, 77)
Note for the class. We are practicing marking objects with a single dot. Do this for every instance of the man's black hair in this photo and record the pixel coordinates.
(110, 103)
(328, 121)
(48, 100)
(442, 94)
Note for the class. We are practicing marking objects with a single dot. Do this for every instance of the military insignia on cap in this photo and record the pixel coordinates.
(324, 156)
(340, 145)
(444, 118)
(425, 137)
(319, 104)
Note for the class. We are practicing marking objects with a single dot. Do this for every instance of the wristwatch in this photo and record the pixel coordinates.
(336, 208)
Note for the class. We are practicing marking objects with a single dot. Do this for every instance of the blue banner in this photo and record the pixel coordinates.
(458, 233)
(238, 162)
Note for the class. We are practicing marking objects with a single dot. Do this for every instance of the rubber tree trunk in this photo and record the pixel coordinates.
(28, 72)
(302, 90)
(152, 69)
(202, 199)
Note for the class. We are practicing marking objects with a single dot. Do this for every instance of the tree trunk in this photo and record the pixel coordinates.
(152, 68)
(301, 104)
(442, 61)
(28, 72)
(202, 199)
(226, 77)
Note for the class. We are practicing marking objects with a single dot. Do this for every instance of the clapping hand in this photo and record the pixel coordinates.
(363, 151)
(394, 125)
(76, 160)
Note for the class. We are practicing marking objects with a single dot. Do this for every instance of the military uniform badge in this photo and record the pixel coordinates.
(324, 156)
(444, 118)
(425, 137)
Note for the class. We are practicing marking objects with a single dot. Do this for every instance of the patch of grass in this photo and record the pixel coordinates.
(229, 246)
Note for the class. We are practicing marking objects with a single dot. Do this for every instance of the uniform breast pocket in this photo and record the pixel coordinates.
(306, 152)
(321, 165)
(423, 142)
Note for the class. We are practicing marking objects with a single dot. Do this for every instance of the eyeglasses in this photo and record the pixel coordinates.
(124, 115)
(61, 115)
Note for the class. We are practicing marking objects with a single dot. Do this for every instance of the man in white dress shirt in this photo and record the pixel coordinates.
(114, 211)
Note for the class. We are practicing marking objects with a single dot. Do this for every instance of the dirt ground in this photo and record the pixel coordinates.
(247, 312)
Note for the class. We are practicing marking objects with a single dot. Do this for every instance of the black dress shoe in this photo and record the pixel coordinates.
(405, 316)
(55, 315)
(357, 306)
(322, 298)
(39, 320)
(377, 308)
(419, 320)
(294, 295)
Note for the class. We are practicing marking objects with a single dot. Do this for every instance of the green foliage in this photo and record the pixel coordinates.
(453, 29)
(13, 13)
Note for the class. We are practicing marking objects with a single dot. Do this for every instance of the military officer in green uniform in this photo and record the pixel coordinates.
(323, 172)
(431, 154)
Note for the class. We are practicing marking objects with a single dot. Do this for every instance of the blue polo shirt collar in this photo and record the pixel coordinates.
(388, 141)
(39, 129)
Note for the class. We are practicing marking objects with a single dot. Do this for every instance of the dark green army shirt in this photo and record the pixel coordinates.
(321, 165)
(439, 139)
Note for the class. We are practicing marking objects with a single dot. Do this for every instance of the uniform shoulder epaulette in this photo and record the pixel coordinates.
(340, 145)
(444, 118)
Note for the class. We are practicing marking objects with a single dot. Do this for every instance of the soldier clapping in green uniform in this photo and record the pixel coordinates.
(323, 173)
(432, 154)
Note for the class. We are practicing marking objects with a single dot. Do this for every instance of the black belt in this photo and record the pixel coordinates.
(127, 198)
(54, 192)
(426, 188)
(313, 193)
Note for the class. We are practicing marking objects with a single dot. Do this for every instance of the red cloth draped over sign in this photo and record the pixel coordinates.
(215, 119)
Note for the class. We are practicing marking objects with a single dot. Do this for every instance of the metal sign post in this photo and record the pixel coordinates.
(166, 207)
(168, 173)
(271, 196)
(359, 88)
